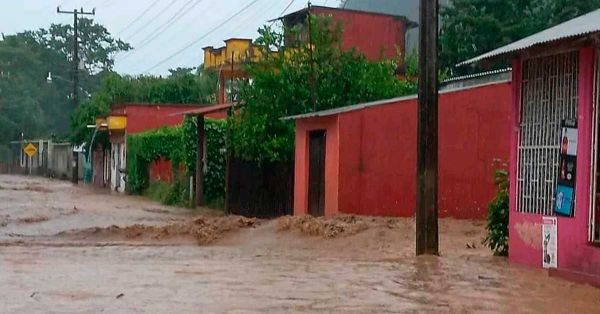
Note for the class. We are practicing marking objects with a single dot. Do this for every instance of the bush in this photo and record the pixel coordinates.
(497, 221)
(178, 145)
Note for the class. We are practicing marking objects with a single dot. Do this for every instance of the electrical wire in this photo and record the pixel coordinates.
(185, 9)
(138, 17)
(286, 8)
(160, 12)
(214, 29)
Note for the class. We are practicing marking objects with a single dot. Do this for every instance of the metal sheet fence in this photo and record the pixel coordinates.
(263, 190)
(549, 95)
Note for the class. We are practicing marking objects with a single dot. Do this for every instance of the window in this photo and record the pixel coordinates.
(549, 95)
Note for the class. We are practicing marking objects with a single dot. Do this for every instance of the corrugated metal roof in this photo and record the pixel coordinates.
(583, 25)
(204, 110)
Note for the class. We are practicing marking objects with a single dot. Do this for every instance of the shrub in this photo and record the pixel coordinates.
(497, 221)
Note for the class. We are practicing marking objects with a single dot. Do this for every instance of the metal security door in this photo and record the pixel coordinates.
(316, 173)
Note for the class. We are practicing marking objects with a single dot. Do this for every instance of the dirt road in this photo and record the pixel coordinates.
(66, 249)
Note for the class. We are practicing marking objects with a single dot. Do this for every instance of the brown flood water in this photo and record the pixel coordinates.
(291, 265)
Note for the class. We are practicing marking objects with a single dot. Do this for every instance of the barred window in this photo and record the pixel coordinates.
(549, 95)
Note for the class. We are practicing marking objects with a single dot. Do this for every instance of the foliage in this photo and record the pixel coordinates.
(28, 103)
(178, 145)
(303, 79)
(97, 46)
(473, 27)
(497, 222)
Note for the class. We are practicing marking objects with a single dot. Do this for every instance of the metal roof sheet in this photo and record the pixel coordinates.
(204, 110)
(583, 25)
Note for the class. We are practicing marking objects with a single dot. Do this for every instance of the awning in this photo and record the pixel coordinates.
(577, 27)
(204, 110)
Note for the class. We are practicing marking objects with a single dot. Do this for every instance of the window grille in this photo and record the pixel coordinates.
(549, 95)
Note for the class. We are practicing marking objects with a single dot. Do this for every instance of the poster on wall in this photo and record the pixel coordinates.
(567, 170)
(549, 242)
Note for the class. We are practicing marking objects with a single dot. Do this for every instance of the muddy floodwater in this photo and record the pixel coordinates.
(66, 249)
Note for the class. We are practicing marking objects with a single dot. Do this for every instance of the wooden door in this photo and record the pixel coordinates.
(316, 173)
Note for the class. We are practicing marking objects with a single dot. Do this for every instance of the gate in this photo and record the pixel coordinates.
(262, 190)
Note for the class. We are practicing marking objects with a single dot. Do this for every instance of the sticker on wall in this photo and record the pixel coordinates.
(549, 242)
(564, 200)
(567, 169)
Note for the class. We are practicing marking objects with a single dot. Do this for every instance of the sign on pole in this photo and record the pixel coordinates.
(30, 150)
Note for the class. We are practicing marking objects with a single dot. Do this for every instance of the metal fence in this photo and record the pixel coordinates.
(263, 190)
(549, 95)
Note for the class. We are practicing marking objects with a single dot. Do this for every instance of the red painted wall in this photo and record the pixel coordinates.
(142, 117)
(329, 124)
(377, 154)
(577, 259)
(371, 34)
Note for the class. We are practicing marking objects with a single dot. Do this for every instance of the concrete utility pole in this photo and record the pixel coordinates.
(200, 162)
(76, 13)
(427, 133)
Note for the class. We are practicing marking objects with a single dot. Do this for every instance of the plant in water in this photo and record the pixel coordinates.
(497, 221)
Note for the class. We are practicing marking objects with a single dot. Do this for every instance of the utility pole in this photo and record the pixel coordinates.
(427, 133)
(75, 13)
(313, 99)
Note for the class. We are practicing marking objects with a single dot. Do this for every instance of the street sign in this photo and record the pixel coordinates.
(30, 150)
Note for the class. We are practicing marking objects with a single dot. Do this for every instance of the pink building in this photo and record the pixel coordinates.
(554, 191)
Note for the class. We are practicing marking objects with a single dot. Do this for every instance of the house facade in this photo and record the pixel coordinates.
(554, 187)
(362, 159)
(110, 163)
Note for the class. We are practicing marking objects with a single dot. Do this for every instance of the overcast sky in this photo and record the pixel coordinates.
(191, 24)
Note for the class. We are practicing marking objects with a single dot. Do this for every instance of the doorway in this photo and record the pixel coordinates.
(316, 173)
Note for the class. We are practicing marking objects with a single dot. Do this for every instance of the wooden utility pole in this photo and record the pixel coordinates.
(313, 98)
(200, 161)
(75, 96)
(427, 134)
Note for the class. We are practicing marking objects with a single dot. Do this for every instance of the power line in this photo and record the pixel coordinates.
(185, 9)
(138, 17)
(151, 20)
(286, 8)
(202, 37)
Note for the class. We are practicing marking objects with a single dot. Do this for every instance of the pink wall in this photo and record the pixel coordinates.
(329, 124)
(525, 243)
(377, 154)
(371, 34)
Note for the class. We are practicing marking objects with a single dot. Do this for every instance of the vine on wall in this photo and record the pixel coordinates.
(178, 144)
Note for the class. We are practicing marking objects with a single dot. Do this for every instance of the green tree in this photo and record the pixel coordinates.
(300, 80)
(473, 27)
(28, 103)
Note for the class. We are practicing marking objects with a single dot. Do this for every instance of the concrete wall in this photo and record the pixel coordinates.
(373, 35)
(374, 155)
(330, 125)
(52, 160)
(575, 254)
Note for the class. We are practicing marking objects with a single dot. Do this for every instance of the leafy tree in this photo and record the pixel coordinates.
(473, 27)
(28, 103)
(303, 79)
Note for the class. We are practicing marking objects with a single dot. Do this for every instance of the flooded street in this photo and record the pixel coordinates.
(66, 249)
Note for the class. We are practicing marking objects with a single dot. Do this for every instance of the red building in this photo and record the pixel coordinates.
(554, 159)
(362, 159)
(109, 164)
(375, 35)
